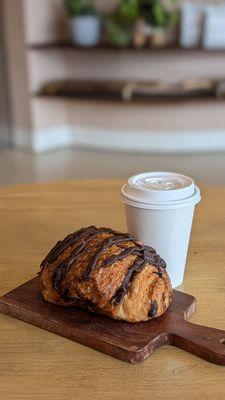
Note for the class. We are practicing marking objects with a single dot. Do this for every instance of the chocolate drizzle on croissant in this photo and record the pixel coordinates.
(62, 245)
(96, 246)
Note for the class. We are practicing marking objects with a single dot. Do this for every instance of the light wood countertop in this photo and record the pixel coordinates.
(38, 365)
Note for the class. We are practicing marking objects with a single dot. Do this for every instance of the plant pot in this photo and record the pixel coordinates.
(145, 34)
(86, 30)
(158, 37)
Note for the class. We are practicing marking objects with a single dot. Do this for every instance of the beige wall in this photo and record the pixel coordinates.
(32, 21)
(17, 70)
(50, 65)
(175, 116)
(46, 20)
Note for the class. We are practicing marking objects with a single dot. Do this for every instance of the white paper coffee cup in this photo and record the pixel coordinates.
(159, 210)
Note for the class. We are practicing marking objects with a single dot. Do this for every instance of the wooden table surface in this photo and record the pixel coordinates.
(38, 365)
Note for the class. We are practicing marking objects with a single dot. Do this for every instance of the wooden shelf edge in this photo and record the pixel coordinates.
(164, 100)
(107, 47)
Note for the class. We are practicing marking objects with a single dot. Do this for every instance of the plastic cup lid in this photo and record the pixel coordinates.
(160, 190)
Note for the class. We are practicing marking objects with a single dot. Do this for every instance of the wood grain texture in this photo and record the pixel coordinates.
(128, 342)
(36, 364)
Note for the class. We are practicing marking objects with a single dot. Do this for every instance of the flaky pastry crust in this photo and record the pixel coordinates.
(106, 272)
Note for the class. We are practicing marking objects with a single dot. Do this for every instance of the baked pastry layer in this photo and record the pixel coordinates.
(106, 272)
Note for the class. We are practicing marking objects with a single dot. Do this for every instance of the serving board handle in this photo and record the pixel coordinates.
(207, 343)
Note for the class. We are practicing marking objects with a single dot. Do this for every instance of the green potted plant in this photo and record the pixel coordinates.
(85, 22)
(159, 19)
(119, 24)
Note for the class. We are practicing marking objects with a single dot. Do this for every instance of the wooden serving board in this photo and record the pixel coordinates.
(126, 341)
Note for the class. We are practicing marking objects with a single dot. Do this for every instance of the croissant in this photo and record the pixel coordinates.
(106, 272)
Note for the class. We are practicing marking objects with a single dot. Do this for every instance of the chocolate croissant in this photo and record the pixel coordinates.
(106, 272)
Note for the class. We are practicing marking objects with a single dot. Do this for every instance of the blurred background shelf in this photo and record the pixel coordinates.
(150, 101)
(45, 121)
(134, 91)
(104, 133)
(109, 47)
